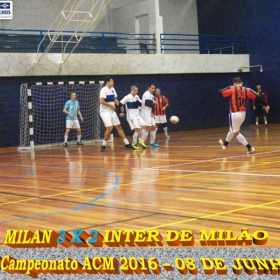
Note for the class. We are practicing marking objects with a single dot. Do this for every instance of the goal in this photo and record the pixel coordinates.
(42, 122)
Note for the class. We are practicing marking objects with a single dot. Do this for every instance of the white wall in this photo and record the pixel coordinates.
(21, 64)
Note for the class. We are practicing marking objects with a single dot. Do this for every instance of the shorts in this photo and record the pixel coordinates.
(236, 120)
(136, 123)
(260, 111)
(149, 120)
(72, 124)
(161, 119)
(110, 118)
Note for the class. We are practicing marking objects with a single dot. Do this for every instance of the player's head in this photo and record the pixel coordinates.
(134, 90)
(151, 88)
(258, 87)
(158, 92)
(73, 96)
(237, 81)
(109, 82)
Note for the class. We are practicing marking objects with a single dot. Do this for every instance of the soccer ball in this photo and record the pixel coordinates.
(174, 119)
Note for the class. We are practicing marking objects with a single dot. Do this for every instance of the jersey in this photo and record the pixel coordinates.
(161, 102)
(258, 102)
(132, 106)
(72, 107)
(239, 96)
(109, 95)
(145, 110)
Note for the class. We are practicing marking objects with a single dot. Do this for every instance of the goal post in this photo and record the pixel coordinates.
(42, 122)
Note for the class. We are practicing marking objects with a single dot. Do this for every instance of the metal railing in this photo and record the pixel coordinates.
(27, 40)
(203, 44)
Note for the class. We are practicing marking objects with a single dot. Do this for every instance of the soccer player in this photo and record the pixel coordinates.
(147, 114)
(238, 100)
(72, 109)
(108, 100)
(132, 103)
(258, 106)
(160, 113)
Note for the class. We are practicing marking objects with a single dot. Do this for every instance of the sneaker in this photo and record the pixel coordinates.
(129, 146)
(251, 150)
(80, 143)
(65, 145)
(142, 144)
(221, 142)
(167, 136)
(155, 145)
(103, 148)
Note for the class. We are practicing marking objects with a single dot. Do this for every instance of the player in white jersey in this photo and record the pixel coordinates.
(108, 100)
(147, 114)
(132, 103)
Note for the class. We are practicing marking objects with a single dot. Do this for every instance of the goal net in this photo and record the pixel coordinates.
(42, 122)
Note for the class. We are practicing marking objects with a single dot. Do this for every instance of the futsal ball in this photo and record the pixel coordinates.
(174, 119)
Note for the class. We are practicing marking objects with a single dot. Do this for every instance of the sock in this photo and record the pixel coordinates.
(104, 143)
(125, 141)
(65, 138)
(156, 129)
(229, 137)
(265, 122)
(165, 130)
(135, 137)
(144, 134)
(257, 123)
(242, 139)
(79, 138)
(152, 136)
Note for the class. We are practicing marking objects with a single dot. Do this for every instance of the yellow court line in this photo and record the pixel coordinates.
(125, 184)
(215, 214)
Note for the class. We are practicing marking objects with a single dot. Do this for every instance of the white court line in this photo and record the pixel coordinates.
(216, 172)
(209, 160)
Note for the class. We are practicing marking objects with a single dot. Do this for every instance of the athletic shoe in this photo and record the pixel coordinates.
(80, 143)
(65, 145)
(142, 144)
(221, 142)
(167, 136)
(251, 150)
(103, 148)
(129, 146)
(155, 145)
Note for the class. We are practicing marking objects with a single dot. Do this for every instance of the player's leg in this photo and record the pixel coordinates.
(135, 136)
(164, 126)
(229, 136)
(257, 115)
(264, 117)
(106, 118)
(237, 120)
(142, 125)
(153, 134)
(157, 122)
(116, 123)
(66, 137)
(76, 125)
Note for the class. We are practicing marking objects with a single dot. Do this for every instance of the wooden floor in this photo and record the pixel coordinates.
(188, 183)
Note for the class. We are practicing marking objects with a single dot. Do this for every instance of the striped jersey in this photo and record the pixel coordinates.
(161, 102)
(109, 94)
(239, 96)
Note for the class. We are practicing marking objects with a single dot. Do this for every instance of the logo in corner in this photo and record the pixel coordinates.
(6, 10)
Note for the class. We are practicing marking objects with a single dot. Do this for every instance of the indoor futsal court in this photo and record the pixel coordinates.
(188, 183)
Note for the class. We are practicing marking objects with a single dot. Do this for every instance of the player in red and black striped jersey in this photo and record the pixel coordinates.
(239, 96)
(258, 106)
(160, 111)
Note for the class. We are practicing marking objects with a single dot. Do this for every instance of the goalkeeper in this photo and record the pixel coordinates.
(72, 110)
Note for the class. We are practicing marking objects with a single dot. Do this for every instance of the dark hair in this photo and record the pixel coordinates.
(107, 79)
(237, 80)
(151, 84)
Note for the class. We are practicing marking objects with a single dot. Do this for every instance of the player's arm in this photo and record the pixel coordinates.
(67, 113)
(166, 105)
(103, 102)
(149, 103)
(253, 95)
(226, 92)
(121, 106)
(80, 115)
(138, 101)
